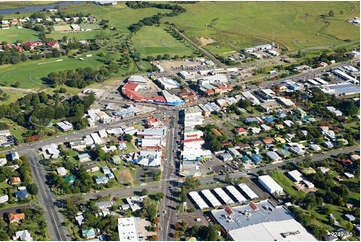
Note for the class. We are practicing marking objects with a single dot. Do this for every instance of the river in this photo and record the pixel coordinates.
(28, 8)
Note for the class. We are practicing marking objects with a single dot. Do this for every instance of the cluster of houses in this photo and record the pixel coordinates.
(7, 23)
(6, 138)
(21, 192)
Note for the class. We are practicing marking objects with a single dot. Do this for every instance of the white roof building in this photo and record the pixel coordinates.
(198, 200)
(151, 158)
(23, 235)
(97, 140)
(211, 198)
(295, 175)
(4, 198)
(223, 196)
(127, 229)
(236, 194)
(61, 171)
(168, 83)
(248, 191)
(270, 185)
(138, 79)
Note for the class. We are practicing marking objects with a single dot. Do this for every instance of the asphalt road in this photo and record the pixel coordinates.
(47, 199)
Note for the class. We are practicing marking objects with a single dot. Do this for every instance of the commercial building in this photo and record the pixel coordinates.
(127, 229)
(213, 201)
(248, 191)
(172, 99)
(65, 126)
(270, 185)
(258, 48)
(150, 158)
(168, 83)
(236, 194)
(223, 196)
(341, 89)
(260, 221)
(201, 204)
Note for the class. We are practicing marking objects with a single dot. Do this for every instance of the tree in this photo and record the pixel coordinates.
(128, 137)
(144, 192)
(32, 188)
(158, 196)
(331, 13)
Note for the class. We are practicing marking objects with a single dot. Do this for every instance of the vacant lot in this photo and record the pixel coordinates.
(13, 34)
(295, 25)
(155, 41)
(29, 73)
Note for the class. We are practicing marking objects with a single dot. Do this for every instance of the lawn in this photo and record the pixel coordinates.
(13, 34)
(295, 25)
(13, 96)
(151, 40)
(287, 184)
(29, 73)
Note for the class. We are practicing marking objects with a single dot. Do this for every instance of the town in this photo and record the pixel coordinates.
(261, 144)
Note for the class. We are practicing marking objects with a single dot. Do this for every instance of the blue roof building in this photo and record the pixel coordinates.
(269, 119)
(22, 194)
(256, 158)
(245, 158)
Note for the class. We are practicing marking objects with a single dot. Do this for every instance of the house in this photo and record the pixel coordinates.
(152, 122)
(350, 217)
(241, 131)
(16, 217)
(349, 175)
(295, 175)
(91, 168)
(104, 204)
(315, 147)
(79, 219)
(268, 141)
(256, 158)
(88, 233)
(226, 156)
(15, 180)
(15, 156)
(61, 171)
(23, 194)
(265, 127)
(84, 157)
(3, 161)
(283, 153)
(102, 180)
(255, 130)
(116, 160)
(273, 156)
(280, 140)
(23, 235)
(4, 198)
(328, 144)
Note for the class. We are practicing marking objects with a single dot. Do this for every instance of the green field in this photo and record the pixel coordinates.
(295, 25)
(155, 40)
(16, 4)
(29, 73)
(13, 34)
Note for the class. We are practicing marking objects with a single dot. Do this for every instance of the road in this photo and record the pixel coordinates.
(47, 199)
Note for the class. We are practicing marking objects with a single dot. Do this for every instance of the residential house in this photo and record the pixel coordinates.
(23, 235)
(241, 131)
(15, 180)
(15, 217)
(61, 171)
(4, 198)
(23, 194)
(84, 157)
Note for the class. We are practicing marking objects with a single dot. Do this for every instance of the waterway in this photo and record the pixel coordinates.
(29, 8)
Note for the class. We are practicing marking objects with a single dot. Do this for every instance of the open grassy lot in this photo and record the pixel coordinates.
(295, 25)
(152, 40)
(13, 96)
(13, 34)
(287, 184)
(29, 73)
(16, 4)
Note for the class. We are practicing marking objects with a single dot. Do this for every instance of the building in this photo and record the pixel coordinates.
(15, 180)
(16, 217)
(4, 198)
(241, 131)
(22, 194)
(127, 229)
(270, 185)
(187, 95)
(172, 99)
(258, 48)
(15, 156)
(341, 89)
(168, 83)
(295, 175)
(61, 171)
(84, 157)
(260, 221)
(23, 235)
(273, 156)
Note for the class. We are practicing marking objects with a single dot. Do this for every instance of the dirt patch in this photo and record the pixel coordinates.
(206, 41)
(126, 176)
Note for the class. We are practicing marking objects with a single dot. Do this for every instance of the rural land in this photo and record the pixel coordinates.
(179, 121)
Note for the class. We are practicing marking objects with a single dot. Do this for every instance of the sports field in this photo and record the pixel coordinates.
(29, 73)
(295, 25)
(151, 40)
(13, 34)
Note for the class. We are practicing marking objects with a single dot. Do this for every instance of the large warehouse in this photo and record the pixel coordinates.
(270, 185)
(261, 221)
